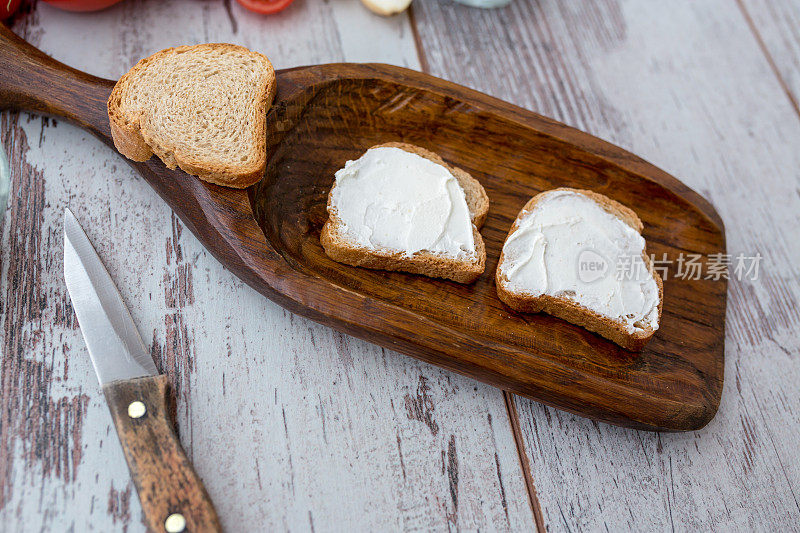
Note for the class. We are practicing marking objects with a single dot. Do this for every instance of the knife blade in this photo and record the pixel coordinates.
(115, 346)
(172, 495)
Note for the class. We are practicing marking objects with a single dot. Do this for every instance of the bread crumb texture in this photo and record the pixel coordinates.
(201, 108)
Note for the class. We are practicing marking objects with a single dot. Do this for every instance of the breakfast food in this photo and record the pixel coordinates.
(401, 207)
(202, 108)
(580, 256)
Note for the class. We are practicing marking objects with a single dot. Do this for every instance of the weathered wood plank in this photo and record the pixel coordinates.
(290, 424)
(776, 26)
(685, 85)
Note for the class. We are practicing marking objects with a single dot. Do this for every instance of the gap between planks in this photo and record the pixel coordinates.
(761, 44)
(423, 58)
(533, 499)
(508, 398)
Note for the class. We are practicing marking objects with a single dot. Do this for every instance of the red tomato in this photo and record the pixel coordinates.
(8, 7)
(264, 6)
(80, 5)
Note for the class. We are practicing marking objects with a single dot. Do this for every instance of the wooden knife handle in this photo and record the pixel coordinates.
(170, 491)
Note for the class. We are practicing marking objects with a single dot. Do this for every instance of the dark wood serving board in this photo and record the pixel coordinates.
(323, 115)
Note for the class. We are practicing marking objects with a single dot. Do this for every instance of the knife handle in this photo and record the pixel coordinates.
(172, 496)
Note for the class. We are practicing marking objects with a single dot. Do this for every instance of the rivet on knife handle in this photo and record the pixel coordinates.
(172, 496)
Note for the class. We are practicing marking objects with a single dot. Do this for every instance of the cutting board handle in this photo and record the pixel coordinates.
(33, 81)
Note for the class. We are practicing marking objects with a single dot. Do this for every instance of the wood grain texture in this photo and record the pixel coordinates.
(686, 86)
(290, 424)
(775, 26)
(164, 478)
(325, 115)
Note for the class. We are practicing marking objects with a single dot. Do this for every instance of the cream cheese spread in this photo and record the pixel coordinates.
(568, 246)
(399, 201)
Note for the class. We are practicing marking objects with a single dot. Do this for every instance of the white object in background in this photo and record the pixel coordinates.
(387, 7)
(484, 3)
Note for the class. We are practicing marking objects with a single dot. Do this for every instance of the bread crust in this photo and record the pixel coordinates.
(133, 138)
(569, 310)
(428, 264)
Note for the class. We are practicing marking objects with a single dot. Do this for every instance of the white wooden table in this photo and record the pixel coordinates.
(295, 426)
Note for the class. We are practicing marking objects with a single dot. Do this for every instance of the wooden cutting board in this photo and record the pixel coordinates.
(323, 115)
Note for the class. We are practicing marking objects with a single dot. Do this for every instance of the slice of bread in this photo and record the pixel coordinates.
(567, 255)
(202, 108)
(463, 268)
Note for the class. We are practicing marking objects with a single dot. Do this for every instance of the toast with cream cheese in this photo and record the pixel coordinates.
(401, 207)
(580, 256)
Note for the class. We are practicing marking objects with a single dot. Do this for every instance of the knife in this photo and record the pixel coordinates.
(172, 496)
